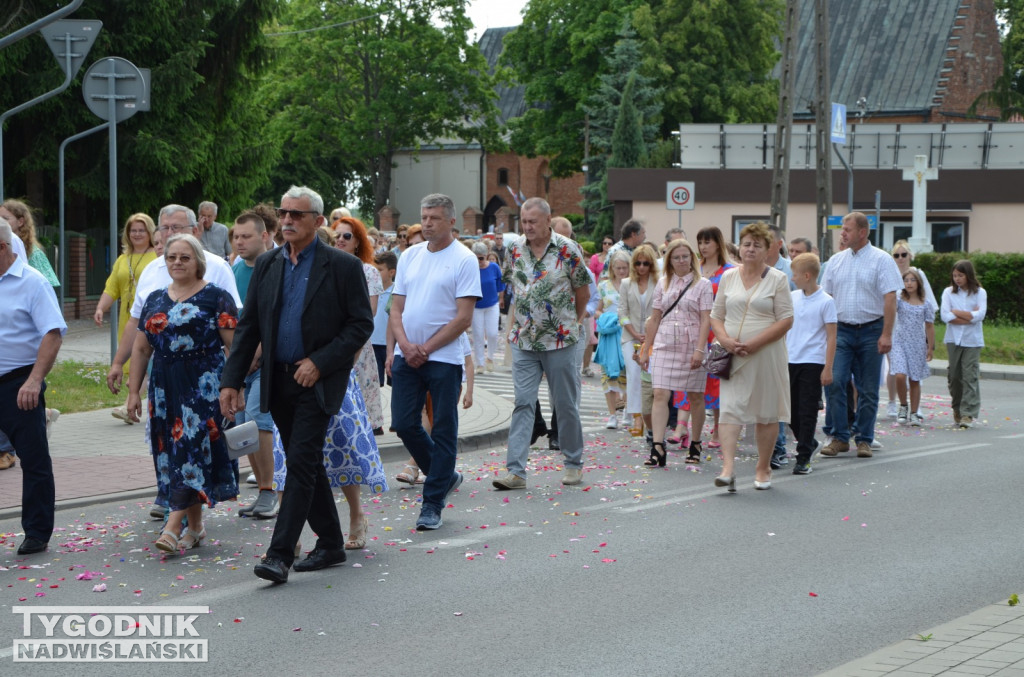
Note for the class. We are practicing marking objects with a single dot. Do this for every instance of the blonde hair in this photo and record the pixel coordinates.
(807, 262)
(647, 251)
(905, 245)
(694, 263)
(20, 210)
(615, 258)
(126, 240)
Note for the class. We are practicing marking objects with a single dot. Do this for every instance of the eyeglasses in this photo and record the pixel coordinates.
(173, 258)
(480, 258)
(606, 244)
(345, 236)
(643, 263)
(176, 228)
(901, 255)
(402, 237)
(296, 214)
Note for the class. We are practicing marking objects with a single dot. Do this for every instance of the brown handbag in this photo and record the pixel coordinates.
(718, 360)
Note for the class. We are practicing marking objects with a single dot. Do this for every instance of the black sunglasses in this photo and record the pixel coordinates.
(345, 236)
(901, 255)
(294, 213)
(643, 263)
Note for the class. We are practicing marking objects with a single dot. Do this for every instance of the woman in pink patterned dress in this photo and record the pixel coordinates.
(677, 336)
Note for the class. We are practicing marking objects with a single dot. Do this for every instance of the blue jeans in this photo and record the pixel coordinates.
(857, 356)
(434, 453)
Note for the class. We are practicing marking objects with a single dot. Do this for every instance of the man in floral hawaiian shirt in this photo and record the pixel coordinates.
(551, 286)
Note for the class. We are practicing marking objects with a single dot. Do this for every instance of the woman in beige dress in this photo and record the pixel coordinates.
(751, 315)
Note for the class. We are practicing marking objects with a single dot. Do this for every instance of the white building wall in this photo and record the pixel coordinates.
(457, 174)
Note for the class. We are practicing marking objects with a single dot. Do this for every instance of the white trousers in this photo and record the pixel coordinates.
(485, 325)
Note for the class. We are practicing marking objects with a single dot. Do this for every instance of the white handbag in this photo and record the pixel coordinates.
(241, 439)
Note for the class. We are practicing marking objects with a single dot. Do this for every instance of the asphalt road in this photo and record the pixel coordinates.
(637, 571)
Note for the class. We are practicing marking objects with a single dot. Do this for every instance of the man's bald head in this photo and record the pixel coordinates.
(562, 226)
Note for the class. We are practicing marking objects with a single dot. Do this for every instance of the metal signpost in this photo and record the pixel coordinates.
(114, 90)
(679, 196)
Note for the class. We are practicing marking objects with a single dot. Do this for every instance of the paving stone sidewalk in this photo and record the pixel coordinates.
(987, 642)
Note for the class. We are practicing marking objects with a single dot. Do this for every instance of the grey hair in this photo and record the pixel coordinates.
(197, 250)
(480, 249)
(620, 255)
(439, 200)
(6, 234)
(174, 209)
(537, 203)
(316, 202)
(207, 203)
(805, 242)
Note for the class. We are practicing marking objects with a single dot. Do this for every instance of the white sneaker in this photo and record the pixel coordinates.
(901, 417)
(613, 422)
(489, 366)
(916, 419)
(251, 479)
(893, 409)
(875, 444)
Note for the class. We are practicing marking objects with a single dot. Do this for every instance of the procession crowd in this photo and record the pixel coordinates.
(273, 337)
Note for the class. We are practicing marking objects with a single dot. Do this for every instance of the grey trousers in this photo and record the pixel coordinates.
(562, 369)
(963, 378)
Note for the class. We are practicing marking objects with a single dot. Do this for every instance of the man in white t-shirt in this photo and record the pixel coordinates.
(173, 219)
(436, 287)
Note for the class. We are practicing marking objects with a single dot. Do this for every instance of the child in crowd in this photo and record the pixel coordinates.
(386, 263)
(812, 348)
(913, 343)
(964, 304)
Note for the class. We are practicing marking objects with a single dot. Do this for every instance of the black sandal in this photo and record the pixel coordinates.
(657, 459)
(693, 456)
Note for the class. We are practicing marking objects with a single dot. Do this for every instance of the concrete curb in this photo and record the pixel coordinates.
(391, 453)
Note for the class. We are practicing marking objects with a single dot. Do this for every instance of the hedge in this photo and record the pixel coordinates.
(1002, 276)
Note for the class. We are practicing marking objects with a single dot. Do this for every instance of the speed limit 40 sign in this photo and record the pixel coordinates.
(679, 195)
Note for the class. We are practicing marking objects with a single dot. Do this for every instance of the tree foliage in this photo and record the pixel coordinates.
(382, 75)
(712, 60)
(1007, 93)
(559, 53)
(713, 57)
(603, 110)
(200, 140)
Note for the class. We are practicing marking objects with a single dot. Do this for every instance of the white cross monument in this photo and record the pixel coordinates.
(921, 174)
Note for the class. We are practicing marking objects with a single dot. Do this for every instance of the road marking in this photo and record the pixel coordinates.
(628, 506)
(1010, 437)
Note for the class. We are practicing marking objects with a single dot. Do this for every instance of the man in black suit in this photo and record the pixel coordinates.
(309, 307)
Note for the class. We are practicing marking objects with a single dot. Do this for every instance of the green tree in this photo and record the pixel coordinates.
(196, 143)
(713, 57)
(1007, 93)
(382, 75)
(603, 108)
(558, 54)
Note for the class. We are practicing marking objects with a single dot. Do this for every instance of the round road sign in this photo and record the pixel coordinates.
(680, 196)
(117, 78)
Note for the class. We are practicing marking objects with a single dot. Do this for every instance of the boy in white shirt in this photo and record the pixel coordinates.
(812, 348)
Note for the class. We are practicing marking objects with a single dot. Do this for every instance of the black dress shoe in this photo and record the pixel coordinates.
(553, 445)
(321, 558)
(31, 546)
(272, 569)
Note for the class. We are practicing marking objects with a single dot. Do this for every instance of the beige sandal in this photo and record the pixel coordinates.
(357, 539)
(409, 474)
(167, 542)
(192, 539)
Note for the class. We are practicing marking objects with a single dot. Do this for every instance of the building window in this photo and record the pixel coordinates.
(945, 236)
(741, 222)
(502, 177)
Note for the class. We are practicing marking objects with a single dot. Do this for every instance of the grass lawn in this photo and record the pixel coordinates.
(74, 386)
(1004, 343)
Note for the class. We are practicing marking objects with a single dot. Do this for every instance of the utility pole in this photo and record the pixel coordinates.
(822, 129)
(784, 119)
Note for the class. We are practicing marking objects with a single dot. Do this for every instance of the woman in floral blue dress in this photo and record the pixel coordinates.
(185, 328)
